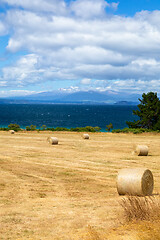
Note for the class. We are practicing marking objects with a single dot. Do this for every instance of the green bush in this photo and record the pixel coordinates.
(116, 131)
(50, 129)
(132, 130)
(61, 129)
(4, 129)
(109, 127)
(43, 127)
(31, 128)
(14, 126)
(86, 129)
(97, 129)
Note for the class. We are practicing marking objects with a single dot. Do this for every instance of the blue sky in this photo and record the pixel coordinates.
(78, 45)
(130, 7)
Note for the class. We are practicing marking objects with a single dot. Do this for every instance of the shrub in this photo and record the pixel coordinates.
(14, 126)
(116, 131)
(43, 127)
(132, 130)
(61, 129)
(31, 128)
(89, 129)
(109, 127)
(85, 129)
(4, 129)
(97, 129)
(27, 128)
(50, 129)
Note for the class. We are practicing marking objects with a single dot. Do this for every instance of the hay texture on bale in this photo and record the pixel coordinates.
(141, 150)
(52, 140)
(86, 136)
(135, 182)
(12, 131)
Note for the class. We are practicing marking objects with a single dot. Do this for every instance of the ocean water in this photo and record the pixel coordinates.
(64, 115)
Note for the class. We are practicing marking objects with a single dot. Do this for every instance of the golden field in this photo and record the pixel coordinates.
(68, 191)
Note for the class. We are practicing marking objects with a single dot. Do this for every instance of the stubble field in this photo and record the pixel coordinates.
(66, 191)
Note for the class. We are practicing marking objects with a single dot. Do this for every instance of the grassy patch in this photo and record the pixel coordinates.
(140, 208)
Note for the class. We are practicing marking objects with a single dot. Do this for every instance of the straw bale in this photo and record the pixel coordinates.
(52, 140)
(12, 131)
(86, 136)
(135, 181)
(141, 150)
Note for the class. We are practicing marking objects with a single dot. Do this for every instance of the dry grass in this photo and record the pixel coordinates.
(56, 192)
(140, 208)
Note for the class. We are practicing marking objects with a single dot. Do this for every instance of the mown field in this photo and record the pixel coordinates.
(68, 191)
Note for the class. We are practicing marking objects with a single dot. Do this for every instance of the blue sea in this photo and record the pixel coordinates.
(65, 115)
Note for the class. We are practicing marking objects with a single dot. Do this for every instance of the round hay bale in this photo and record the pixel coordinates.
(86, 136)
(12, 131)
(135, 181)
(141, 150)
(52, 140)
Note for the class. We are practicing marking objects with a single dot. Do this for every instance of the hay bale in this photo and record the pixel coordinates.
(141, 150)
(135, 181)
(12, 131)
(86, 136)
(52, 140)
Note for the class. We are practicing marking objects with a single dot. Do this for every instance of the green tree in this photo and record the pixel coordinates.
(97, 129)
(148, 113)
(14, 126)
(43, 127)
(109, 127)
(31, 128)
(28, 128)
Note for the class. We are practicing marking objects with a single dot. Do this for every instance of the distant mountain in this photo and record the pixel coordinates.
(81, 97)
(43, 96)
(126, 103)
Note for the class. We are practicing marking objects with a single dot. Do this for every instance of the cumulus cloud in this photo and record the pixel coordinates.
(86, 81)
(24, 71)
(54, 6)
(79, 41)
(89, 8)
(131, 85)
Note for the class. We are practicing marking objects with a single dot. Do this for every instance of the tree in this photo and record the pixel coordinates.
(97, 129)
(28, 128)
(14, 126)
(31, 128)
(148, 113)
(43, 127)
(109, 127)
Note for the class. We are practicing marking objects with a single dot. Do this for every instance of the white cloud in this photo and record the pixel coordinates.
(54, 6)
(118, 86)
(24, 71)
(89, 8)
(16, 93)
(71, 89)
(134, 86)
(80, 41)
(86, 81)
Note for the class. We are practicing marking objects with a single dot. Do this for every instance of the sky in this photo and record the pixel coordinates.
(48, 45)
